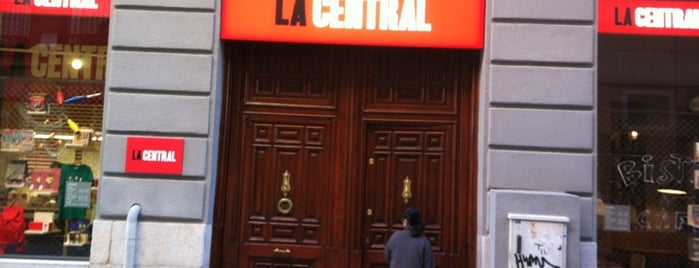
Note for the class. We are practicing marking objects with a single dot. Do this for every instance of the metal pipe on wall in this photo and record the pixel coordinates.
(131, 235)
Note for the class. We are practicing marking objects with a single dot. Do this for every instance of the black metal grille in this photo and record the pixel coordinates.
(639, 153)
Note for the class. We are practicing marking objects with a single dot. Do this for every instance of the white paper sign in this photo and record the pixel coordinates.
(77, 194)
(617, 218)
(537, 241)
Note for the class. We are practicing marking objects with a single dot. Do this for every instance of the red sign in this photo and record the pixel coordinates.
(78, 8)
(674, 18)
(154, 155)
(411, 23)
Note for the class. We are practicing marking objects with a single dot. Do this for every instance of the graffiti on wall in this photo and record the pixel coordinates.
(537, 241)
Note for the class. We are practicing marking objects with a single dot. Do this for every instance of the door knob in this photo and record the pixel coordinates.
(407, 193)
(284, 205)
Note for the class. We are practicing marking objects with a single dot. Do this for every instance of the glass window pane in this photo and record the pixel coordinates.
(52, 71)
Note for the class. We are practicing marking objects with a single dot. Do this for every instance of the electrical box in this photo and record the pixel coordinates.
(537, 241)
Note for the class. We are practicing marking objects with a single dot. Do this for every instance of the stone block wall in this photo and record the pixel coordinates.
(537, 126)
(162, 77)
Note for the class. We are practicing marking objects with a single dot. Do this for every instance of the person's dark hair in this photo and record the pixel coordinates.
(414, 218)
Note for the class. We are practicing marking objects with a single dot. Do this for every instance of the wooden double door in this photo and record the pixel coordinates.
(323, 148)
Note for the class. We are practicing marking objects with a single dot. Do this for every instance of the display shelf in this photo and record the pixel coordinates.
(67, 244)
(33, 232)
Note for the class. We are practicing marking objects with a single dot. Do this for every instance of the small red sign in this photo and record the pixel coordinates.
(154, 155)
(640, 17)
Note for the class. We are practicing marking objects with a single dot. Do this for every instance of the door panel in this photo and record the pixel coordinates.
(288, 161)
(407, 163)
(281, 166)
(411, 81)
(317, 142)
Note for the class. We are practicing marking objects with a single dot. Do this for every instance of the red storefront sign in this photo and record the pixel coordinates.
(78, 8)
(411, 23)
(672, 18)
(154, 155)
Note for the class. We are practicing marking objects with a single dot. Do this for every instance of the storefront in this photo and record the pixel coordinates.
(380, 117)
(292, 133)
(361, 126)
(52, 81)
(647, 133)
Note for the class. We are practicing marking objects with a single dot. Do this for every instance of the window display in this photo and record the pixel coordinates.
(646, 152)
(52, 70)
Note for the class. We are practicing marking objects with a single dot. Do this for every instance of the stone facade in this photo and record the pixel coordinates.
(537, 123)
(162, 81)
(537, 126)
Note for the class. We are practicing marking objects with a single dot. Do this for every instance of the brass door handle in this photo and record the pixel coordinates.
(284, 205)
(286, 185)
(407, 193)
(285, 251)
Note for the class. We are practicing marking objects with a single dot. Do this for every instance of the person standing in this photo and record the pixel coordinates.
(409, 248)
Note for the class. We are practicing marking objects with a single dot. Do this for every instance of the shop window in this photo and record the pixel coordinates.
(52, 70)
(646, 148)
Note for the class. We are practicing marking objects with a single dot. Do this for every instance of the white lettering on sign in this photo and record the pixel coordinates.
(670, 18)
(365, 14)
(158, 156)
(79, 4)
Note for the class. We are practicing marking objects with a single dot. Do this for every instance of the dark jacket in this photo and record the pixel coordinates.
(405, 251)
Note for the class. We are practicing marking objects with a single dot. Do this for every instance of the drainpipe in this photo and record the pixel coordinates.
(131, 235)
